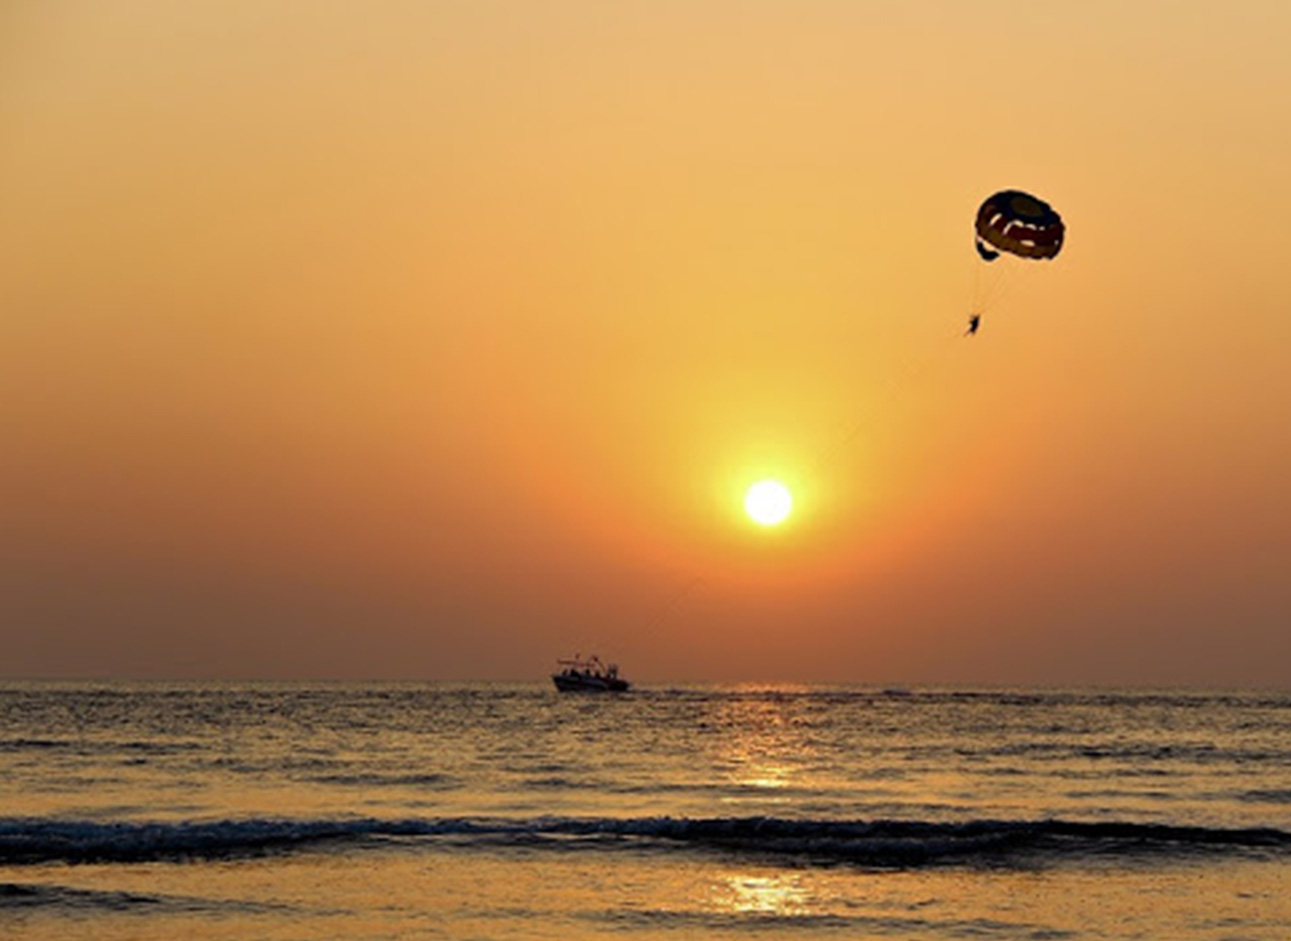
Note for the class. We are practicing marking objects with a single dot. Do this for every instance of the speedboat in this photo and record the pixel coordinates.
(589, 676)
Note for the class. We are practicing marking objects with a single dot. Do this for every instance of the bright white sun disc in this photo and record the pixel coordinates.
(768, 502)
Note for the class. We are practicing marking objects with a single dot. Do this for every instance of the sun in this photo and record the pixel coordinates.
(768, 502)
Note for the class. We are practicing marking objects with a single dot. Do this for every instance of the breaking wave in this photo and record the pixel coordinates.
(877, 843)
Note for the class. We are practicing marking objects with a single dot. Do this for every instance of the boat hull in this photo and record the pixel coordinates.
(589, 684)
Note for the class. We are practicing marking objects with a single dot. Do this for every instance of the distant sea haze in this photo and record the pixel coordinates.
(401, 811)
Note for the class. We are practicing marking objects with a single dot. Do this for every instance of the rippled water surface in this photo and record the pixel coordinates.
(487, 811)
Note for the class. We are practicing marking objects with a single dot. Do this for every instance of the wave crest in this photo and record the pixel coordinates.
(883, 843)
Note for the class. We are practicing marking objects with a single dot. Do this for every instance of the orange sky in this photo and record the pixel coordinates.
(439, 339)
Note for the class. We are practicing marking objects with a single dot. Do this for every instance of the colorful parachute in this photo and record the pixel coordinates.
(1020, 224)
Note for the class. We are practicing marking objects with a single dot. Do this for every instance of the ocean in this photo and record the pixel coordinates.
(486, 811)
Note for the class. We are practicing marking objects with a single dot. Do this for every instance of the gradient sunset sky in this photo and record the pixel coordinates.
(440, 338)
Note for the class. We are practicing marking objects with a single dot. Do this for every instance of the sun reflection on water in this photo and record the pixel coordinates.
(747, 894)
(763, 747)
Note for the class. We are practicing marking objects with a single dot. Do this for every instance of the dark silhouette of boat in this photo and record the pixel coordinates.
(589, 676)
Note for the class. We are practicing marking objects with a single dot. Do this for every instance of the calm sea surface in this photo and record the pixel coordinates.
(137, 811)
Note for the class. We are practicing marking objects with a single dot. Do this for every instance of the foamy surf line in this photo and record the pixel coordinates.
(28, 841)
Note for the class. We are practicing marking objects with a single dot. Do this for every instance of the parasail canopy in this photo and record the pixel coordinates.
(1018, 223)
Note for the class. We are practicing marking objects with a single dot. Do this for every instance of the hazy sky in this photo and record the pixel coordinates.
(440, 338)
